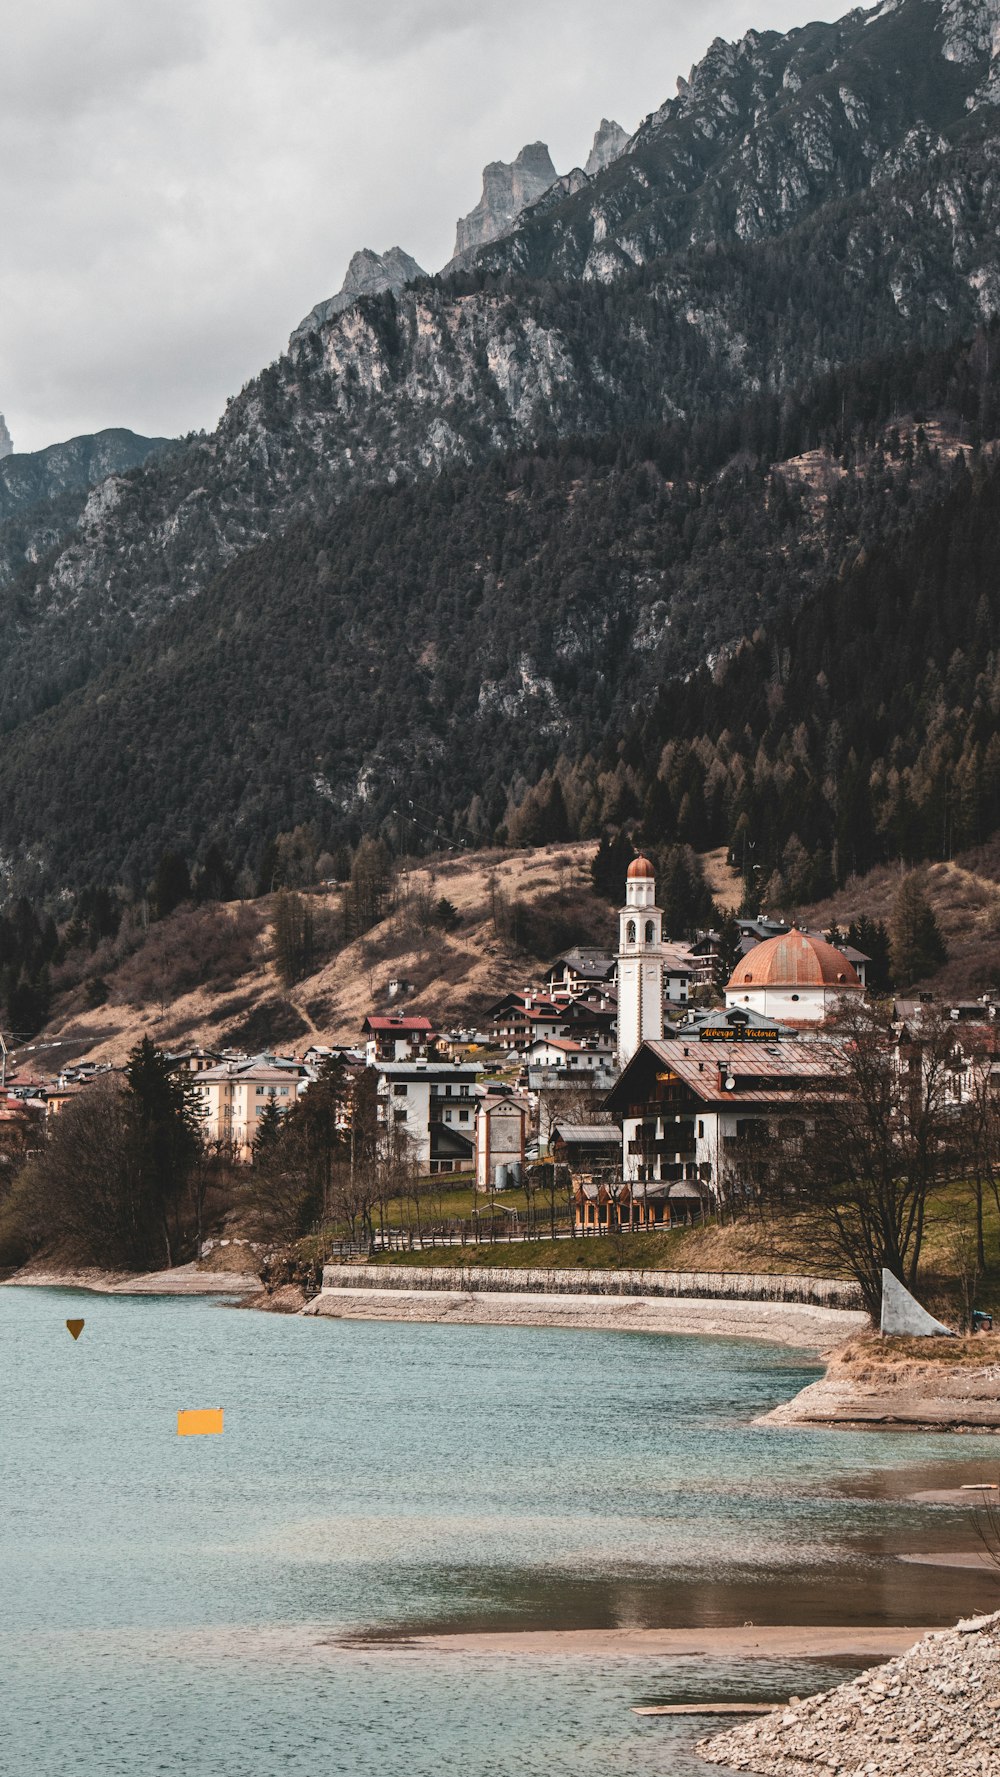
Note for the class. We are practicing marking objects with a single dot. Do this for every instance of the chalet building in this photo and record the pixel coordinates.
(194, 1061)
(501, 1132)
(521, 1019)
(591, 1056)
(694, 1111)
(591, 1151)
(678, 974)
(577, 971)
(797, 977)
(429, 1109)
(569, 1079)
(589, 1017)
(396, 1036)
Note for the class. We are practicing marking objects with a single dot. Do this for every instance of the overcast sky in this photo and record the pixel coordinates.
(183, 181)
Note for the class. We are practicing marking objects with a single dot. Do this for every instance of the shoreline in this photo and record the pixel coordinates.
(179, 1280)
(798, 1324)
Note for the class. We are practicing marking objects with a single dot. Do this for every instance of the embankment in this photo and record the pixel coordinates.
(903, 1385)
(933, 1712)
(783, 1310)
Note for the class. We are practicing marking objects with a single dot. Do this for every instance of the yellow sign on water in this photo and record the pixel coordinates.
(199, 1422)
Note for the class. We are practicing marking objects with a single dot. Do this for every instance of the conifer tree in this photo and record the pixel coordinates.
(917, 947)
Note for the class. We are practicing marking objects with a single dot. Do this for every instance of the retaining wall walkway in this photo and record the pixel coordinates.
(826, 1292)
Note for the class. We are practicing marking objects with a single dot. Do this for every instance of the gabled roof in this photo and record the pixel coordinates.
(398, 1021)
(760, 1073)
(588, 1135)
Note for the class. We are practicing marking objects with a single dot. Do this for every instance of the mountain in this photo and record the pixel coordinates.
(31, 478)
(6, 441)
(560, 479)
(609, 142)
(46, 494)
(369, 274)
(508, 188)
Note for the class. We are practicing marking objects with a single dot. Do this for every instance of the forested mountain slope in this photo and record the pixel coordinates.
(458, 531)
(433, 644)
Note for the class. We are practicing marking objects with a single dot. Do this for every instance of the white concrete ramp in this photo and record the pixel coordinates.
(903, 1316)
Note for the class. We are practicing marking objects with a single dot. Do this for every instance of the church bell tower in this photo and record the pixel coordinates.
(640, 962)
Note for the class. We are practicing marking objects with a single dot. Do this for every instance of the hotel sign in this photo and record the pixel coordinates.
(738, 1033)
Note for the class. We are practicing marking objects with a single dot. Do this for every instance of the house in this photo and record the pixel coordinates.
(428, 1108)
(695, 1111)
(234, 1096)
(577, 970)
(797, 976)
(396, 1036)
(501, 1127)
(193, 1061)
(520, 1018)
(580, 1058)
(678, 973)
(591, 1150)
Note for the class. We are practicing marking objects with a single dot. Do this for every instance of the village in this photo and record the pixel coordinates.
(651, 1086)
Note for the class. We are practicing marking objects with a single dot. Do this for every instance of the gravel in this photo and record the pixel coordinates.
(934, 1712)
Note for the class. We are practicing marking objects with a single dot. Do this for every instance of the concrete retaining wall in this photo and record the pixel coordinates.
(826, 1292)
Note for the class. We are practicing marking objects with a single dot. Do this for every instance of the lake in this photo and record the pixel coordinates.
(239, 1604)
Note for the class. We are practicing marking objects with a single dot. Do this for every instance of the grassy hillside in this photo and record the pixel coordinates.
(207, 975)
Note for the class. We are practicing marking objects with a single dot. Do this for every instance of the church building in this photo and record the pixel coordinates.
(641, 954)
(796, 977)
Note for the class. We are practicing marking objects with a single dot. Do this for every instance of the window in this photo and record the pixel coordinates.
(701, 1128)
(260, 1092)
(399, 1089)
(463, 1116)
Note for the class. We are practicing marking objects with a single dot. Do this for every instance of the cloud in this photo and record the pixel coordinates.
(192, 178)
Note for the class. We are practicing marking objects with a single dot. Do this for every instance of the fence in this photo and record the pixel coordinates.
(824, 1292)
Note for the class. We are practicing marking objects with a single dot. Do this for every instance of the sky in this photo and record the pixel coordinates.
(180, 183)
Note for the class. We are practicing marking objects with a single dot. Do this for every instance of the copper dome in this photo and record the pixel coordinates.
(794, 959)
(640, 867)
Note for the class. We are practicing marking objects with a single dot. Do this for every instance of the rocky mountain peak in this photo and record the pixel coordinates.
(6, 441)
(508, 188)
(369, 274)
(609, 142)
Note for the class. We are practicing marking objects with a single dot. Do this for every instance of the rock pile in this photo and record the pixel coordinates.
(934, 1712)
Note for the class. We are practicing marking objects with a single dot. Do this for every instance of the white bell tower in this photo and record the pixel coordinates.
(640, 962)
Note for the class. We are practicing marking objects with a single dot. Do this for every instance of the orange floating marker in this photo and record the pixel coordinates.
(199, 1422)
(75, 1327)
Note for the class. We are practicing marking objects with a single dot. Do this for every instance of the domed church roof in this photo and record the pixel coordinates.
(640, 867)
(794, 959)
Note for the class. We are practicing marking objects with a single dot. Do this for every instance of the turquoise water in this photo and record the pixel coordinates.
(181, 1604)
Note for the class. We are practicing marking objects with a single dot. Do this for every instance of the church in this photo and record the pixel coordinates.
(797, 977)
(696, 1105)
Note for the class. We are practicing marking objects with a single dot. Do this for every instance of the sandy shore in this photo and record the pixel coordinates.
(781, 1323)
(181, 1280)
(765, 1643)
